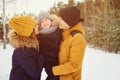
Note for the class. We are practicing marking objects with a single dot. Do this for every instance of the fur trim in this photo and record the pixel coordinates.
(18, 41)
(54, 20)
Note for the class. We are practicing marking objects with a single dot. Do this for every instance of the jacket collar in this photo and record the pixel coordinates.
(76, 27)
(19, 41)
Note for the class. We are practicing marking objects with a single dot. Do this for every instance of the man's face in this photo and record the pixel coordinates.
(62, 24)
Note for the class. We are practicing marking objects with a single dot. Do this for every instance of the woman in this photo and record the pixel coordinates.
(27, 63)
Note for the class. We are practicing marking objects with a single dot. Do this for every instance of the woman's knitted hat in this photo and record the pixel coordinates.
(71, 15)
(43, 14)
(22, 25)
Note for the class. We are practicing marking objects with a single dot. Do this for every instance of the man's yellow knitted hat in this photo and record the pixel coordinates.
(22, 25)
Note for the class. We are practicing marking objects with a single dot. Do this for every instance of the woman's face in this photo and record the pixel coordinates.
(45, 22)
(62, 24)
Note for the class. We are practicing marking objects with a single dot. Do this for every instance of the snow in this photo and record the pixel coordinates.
(97, 64)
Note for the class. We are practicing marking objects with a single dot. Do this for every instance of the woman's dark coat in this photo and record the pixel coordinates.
(27, 63)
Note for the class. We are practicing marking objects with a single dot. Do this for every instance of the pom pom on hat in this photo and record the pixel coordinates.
(22, 25)
(71, 15)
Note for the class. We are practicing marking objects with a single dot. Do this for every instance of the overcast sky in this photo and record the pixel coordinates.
(33, 6)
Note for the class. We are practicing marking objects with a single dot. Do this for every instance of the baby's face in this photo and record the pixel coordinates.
(45, 22)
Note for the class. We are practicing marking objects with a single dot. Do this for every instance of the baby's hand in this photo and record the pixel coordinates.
(37, 29)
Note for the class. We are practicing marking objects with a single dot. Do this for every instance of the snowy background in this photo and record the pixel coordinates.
(97, 64)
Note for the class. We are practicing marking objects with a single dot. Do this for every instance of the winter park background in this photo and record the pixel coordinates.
(102, 29)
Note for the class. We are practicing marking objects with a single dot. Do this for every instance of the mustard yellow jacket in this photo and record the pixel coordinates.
(71, 54)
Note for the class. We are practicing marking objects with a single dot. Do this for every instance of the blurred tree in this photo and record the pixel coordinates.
(71, 2)
(102, 20)
(56, 7)
(4, 21)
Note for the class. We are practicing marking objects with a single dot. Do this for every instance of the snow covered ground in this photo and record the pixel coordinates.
(97, 65)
